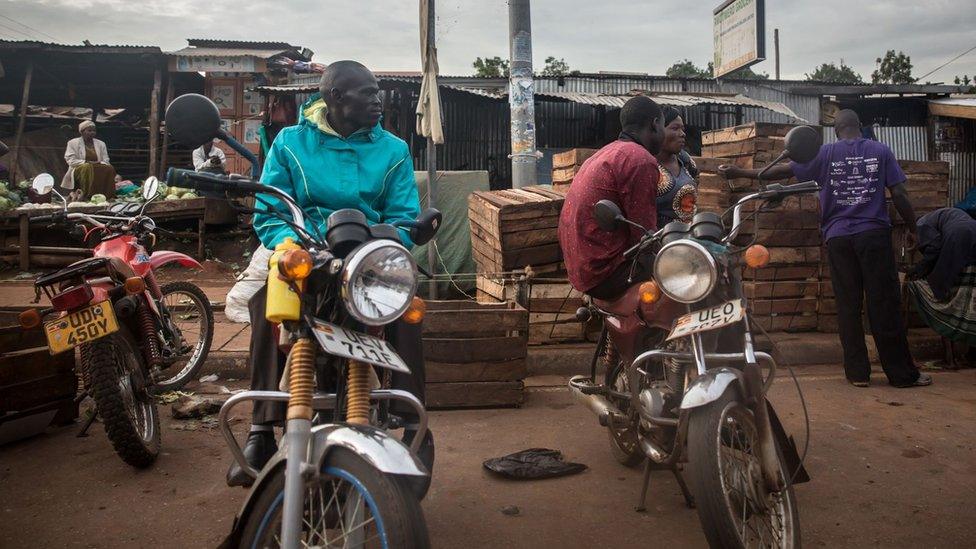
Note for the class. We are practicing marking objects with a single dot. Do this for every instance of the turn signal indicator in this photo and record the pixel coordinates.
(757, 256)
(295, 264)
(650, 292)
(415, 312)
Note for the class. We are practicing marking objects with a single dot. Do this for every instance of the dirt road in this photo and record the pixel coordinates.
(892, 468)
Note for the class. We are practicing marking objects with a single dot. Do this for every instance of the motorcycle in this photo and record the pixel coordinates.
(340, 478)
(136, 338)
(684, 384)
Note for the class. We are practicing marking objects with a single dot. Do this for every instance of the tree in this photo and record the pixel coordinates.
(894, 68)
(829, 72)
(964, 80)
(687, 69)
(491, 67)
(555, 67)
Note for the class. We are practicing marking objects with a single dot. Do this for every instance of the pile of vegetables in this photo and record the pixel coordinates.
(174, 193)
(12, 196)
(15, 196)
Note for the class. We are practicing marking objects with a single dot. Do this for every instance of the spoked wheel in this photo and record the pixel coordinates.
(734, 506)
(351, 504)
(190, 318)
(127, 410)
(623, 435)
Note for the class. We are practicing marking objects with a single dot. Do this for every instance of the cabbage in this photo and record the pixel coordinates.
(189, 195)
(98, 198)
(5, 204)
(172, 197)
(24, 184)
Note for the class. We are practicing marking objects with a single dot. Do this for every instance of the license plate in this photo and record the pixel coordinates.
(91, 323)
(704, 320)
(339, 341)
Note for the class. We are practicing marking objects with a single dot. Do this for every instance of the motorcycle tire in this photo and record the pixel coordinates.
(395, 510)
(198, 356)
(130, 417)
(624, 444)
(715, 430)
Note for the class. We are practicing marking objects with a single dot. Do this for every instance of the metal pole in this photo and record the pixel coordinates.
(431, 162)
(15, 159)
(154, 124)
(164, 155)
(776, 46)
(521, 94)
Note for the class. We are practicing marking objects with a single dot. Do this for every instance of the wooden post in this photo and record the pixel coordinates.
(20, 128)
(154, 124)
(24, 241)
(169, 99)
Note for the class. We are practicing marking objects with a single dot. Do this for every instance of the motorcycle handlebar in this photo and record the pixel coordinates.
(211, 182)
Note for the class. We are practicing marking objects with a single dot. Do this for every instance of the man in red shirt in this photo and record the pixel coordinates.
(626, 173)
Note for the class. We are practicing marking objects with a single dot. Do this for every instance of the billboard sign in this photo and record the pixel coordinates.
(739, 33)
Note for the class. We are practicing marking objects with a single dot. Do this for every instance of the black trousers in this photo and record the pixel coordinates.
(616, 283)
(863, 265)
(267, 363)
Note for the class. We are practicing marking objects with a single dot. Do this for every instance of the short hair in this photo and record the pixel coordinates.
(670, 114)
(337, 75)
(847, 119)
(638, 112)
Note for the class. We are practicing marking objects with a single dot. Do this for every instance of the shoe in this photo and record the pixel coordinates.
(923, 380)
(258, 449)
(859, 383)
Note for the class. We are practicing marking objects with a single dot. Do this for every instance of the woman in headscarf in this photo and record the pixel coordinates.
(88, 167)
(677, 192)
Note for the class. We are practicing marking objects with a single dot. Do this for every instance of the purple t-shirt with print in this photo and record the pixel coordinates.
(853, 175)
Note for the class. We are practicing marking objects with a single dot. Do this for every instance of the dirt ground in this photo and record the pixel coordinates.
(890, 467)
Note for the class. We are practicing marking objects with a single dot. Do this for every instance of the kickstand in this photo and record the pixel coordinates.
(641, 507)
(88, 423)
(689, 499)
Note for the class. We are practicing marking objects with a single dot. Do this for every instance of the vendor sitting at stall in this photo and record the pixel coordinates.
(210, 159)
(88, 167)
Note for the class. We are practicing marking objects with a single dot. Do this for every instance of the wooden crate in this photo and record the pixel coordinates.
(552, 305)
(566, 164)
(516, 228)
(474, 353)
(745, 132)
(748, 146)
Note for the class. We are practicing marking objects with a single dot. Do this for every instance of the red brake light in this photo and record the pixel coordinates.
(74, 298)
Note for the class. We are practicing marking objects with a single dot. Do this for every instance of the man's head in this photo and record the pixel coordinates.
(87, 129)
(847, 125)
(352, 94)
(642, 118)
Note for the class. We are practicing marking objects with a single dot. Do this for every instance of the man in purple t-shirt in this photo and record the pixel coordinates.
(853, 174)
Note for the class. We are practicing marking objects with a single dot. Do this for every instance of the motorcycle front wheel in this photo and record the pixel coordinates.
(734, 508)
(623, 438)
(350, 504)
(191, 316)
(128, 412)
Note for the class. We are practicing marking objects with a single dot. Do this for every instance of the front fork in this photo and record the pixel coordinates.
(301, 386)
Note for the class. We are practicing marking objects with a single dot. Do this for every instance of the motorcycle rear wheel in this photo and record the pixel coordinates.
(726, 479)
(192, 314)
(348, 486)
(129, 415)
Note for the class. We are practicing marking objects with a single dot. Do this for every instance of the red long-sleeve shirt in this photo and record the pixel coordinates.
(625, 173)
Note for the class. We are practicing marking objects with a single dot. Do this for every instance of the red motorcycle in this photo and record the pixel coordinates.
(136, 337)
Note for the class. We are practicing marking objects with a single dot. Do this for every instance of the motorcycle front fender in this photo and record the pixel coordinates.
(375, 446)
(158, 259)
(710, 386)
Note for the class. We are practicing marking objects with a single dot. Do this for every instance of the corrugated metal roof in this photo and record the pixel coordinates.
(76, 48)
(228, 52)
(674, 100)
(958, 101)
(240, 44)
(311, 88)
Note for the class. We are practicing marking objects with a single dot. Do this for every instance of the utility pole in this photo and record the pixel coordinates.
(521, 94)
(776, 47)
(431, 161)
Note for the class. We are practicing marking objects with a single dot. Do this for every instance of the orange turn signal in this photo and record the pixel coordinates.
(415, 312)
(757, 256)
(650, 292)
(30, 318)
(135, 285)
(295, 264)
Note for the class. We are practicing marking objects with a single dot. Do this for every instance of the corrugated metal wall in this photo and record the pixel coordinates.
(907, 142)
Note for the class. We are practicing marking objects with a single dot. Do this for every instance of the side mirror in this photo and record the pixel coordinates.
(43, 183)
(426, 226)
(150, 188)
(607, 215)
(193, 120)
(803, 144)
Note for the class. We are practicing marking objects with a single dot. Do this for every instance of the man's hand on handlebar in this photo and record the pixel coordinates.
(730, 171)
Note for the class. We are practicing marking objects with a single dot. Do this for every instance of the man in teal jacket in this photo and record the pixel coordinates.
(337, 156)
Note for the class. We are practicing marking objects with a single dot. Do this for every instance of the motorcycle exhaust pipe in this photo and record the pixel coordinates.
(584, 391)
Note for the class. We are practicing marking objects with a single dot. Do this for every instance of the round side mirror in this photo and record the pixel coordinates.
(607, 215)
(150, 188)
(192, 120)
(803, 144)
(427, 225)
(43, 183)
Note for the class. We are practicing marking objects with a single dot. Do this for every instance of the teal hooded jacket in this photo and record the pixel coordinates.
(370, 171)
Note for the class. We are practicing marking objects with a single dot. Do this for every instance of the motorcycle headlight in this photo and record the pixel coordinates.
(379, 281)
(685, 271)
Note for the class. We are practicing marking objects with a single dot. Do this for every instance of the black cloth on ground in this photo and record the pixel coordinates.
(532, 464)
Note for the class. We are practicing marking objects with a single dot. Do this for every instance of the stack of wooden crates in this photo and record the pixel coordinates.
(566, 164)
(784, 295)
(515, 245)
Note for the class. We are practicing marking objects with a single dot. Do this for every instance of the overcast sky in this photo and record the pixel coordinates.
(592, 35)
